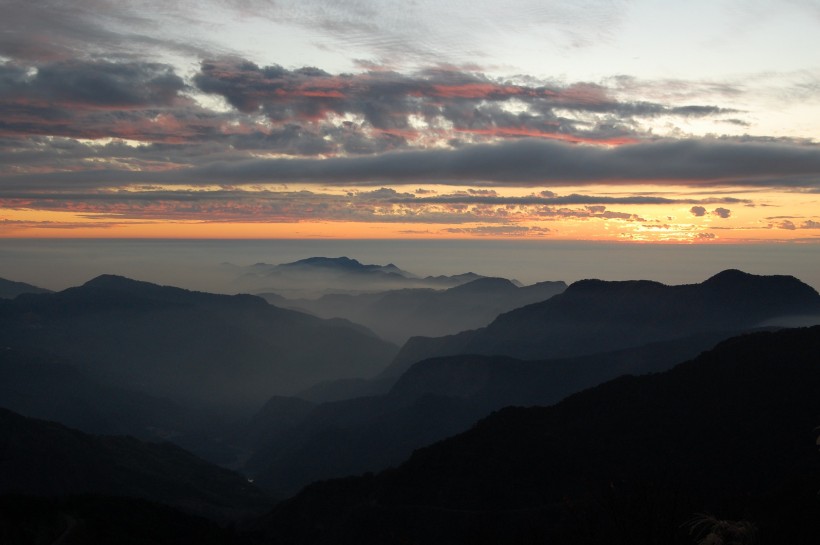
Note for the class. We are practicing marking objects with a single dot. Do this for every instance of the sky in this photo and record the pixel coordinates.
(611, 121)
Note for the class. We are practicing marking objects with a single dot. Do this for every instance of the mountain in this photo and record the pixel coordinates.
(315, 276)
(9, 289)
(397, 315)
(434, 399)
(722, 445)
(105, 520)
(42, 458)
(194, 348)
(52, 390)
(596, 316)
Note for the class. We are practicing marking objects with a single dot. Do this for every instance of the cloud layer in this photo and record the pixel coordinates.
(147, 112)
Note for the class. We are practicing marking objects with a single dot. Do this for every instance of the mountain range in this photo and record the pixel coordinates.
(192, 347)
(9, 289)
(436, 398)
(397, 315)
(43, 458)
(667, 453)
(593, 316)
(316, 276)
(723, 443)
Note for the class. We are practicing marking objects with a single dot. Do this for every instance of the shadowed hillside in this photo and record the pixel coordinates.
(397, 315)
(9, 289)
(47, 459)
(434, 399)
(597, 316)
(234, 351)
(104, 520)
(730, 433)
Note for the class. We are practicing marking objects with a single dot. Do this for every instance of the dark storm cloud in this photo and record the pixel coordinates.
(518, 163)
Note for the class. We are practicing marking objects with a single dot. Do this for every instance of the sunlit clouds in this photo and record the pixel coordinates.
(134, 121)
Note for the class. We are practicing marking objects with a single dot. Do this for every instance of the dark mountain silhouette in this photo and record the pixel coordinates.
(51, 390)
(397, 315)
(43, 458)
(9, 289)
(435, 399)
(315, 276)
(731, 433)
(596, 316)
(105, 520)
(233, 351)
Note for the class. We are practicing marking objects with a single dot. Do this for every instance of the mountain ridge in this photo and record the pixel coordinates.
(595, 315)
(731, 433)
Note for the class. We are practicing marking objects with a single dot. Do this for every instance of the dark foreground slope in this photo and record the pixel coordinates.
(42, 458)
(597, 316)
(731, 434)
(188, 346)
(104, 520)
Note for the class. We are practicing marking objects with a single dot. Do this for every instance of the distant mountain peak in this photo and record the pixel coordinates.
(333, 262)
(109, 281)
(730, 275)
(482, 284)
(595, 285)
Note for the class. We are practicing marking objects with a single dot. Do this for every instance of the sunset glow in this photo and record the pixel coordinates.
(191, 126)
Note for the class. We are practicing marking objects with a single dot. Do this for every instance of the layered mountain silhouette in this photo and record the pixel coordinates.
(192, 347)
(9, 289)
(596, 316)
(397, 315)
(434, 399)
(662, 458)
(105, 520)
(42, 458)
(49, 389)
(315, 276)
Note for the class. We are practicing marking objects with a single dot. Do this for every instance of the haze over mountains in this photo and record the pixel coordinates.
(9, 289)
(397, 315)
(191, 346)
(594, 316)
(289, 398)
(732, 432)
(315, 276)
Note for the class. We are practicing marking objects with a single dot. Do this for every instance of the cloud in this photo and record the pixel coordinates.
(100, 84)
(471, 103)
(519, 163)
(698, 211)
(722, 212)
(500, 230)
(50, 30)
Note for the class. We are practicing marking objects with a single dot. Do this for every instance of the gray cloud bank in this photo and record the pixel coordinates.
(517, 163)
